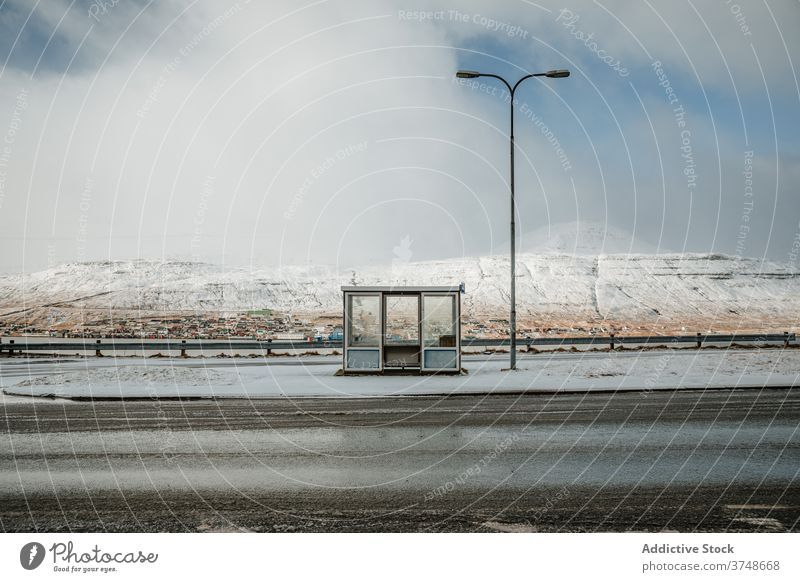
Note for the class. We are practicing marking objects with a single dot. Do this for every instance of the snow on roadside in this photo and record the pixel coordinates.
(149, 375)
(134, 381)
(656, 370)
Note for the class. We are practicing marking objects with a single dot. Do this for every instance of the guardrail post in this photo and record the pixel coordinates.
(269, 347)
(786, 339)
(612, 341)
(97, 351)
(183, 348)
(699, 341)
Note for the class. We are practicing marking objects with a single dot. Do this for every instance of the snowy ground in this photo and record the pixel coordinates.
(652, 370)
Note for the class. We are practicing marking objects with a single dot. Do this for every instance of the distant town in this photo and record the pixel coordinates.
(254, 325)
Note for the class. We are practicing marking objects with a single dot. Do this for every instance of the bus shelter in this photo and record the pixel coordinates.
(402, 329)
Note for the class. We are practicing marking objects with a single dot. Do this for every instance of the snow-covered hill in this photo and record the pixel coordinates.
(698, 291)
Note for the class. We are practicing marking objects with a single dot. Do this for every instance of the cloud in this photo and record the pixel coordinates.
(330, 132)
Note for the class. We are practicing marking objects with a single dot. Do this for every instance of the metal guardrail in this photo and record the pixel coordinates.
(21, 344)
(612, 340)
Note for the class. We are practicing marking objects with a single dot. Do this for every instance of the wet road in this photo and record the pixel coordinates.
(690, 460)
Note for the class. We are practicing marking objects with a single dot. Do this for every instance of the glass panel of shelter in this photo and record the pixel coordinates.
(364, 324)
(365, 321)
(439, 321)
(439, 329)
(401, 334)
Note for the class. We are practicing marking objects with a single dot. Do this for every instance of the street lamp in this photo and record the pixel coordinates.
(555, 74)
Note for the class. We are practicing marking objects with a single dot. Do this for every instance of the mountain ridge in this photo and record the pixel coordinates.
(672, 290)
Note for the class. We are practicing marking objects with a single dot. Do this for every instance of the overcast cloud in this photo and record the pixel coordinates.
(335, 132)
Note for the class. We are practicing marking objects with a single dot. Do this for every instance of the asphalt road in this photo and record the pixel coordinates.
(720, 460)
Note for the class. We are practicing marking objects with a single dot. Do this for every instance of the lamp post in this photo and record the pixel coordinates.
(557, 74)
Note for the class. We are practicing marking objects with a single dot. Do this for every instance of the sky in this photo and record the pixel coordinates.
(336, 133)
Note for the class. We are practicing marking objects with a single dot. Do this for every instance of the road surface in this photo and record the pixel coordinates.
(721, 460)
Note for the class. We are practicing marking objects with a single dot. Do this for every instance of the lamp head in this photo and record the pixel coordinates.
(467, 74)
(557, 74)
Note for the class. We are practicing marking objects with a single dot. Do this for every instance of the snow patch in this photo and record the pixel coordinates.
(142, 375)
(644, 371)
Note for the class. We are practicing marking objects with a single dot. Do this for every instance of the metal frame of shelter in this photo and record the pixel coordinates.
(402, 330)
